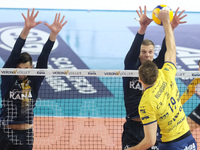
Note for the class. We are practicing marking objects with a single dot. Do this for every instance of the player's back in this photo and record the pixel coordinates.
(163, 102)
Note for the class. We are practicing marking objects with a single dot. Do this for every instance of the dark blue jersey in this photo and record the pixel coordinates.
(131, 85)
(19, 97)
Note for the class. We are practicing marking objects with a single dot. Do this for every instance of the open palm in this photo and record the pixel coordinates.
(57, 25)
(30, 19)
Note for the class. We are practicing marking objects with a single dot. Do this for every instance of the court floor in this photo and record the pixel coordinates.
(92, 40)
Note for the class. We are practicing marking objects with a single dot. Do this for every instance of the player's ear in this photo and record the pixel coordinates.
(140, 80)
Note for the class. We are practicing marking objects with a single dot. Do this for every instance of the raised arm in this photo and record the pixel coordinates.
(174, 23)
(16, 51)
(132, 56)
(170, 54)
(55, 28)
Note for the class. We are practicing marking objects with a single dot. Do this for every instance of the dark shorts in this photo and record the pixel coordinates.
(16, 139)
(195, 115)
(133, 134)
(187, 143)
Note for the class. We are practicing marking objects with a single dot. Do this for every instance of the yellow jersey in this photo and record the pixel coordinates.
(192, 88)
(161, 103)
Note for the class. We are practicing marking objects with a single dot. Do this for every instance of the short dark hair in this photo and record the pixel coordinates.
(148, 72)
(24, 58)
(199, 63)
(147, 42)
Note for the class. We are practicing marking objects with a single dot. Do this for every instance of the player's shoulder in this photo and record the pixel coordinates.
(148, 95)
(169, 66)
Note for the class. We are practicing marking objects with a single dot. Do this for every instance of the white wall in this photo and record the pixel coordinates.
(188, 5)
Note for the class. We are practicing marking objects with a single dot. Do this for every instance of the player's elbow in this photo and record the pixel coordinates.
(150, 142)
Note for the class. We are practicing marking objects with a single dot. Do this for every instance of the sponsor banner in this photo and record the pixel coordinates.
(61, 57)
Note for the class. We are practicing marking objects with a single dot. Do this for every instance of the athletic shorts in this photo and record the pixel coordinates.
(16, 139)
(195, 115)
(187, 143)
(133, 134)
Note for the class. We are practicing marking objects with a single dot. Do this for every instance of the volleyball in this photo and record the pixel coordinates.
(156, 11)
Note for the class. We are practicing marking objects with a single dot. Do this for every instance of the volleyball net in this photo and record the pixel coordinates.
(84, 109)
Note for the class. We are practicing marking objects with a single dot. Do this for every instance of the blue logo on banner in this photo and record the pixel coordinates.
(61, 57)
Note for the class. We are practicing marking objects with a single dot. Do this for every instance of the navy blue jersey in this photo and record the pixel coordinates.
(131, 85)
(19, 97)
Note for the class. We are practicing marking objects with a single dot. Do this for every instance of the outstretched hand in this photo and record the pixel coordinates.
(177, 19)
(144, 20)
(30, 19)
(57, 25)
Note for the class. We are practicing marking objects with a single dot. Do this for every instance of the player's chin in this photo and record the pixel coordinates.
(147, 59)
(22, 77)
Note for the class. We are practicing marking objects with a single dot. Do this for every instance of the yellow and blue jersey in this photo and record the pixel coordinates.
(161, 103)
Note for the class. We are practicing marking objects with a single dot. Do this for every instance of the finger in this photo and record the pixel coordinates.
(62, 19)
(176, 11)
(182, 17)
(137, 19)
(24, 16)
(140, 10)
(39, 22)
(138, 13)
(181, 13)
(55, 17)
(181, 22)
(47, 25)
(28, 13)
(64, 23)
(32, 12)
(58, 17)
(36, 14)
(145, 10)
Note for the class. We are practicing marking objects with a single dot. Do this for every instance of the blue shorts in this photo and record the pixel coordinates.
(187, 143)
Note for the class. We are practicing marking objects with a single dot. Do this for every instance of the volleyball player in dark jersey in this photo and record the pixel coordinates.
(19, 93)
(141, 50)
